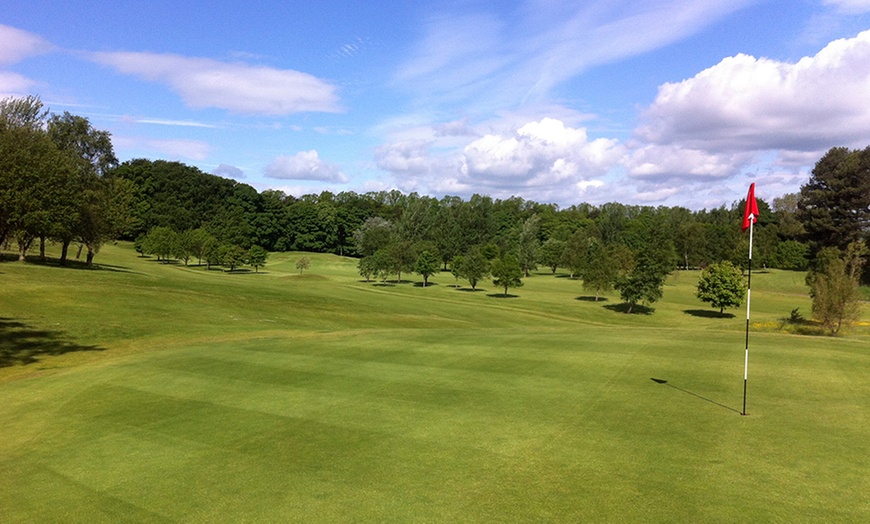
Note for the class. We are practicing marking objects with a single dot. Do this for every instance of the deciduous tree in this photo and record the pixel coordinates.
(722, 285)
(507, 273)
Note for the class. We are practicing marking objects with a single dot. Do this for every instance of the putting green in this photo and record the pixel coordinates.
(181, 394)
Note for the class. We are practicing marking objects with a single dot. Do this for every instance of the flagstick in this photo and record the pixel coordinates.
(748, 300)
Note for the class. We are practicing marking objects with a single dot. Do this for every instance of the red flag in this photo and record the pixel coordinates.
(751, 208)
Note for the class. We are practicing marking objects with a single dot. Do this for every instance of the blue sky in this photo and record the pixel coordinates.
(654, 102)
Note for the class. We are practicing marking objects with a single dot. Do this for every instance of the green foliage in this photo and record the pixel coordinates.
(367, 267)
(834, 287)
(551, 253)
(427, 265)
(302, 264)
(507, 272)
(603, 266)
(722, 285)
(257, 256)
(473, 267)
(834, 205)
(791, 254)
(233, 256)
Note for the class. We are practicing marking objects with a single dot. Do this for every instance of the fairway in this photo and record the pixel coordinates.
(151, 392)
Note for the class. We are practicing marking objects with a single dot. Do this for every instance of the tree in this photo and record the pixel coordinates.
(35, 176)
(233, 256)
(551, 253)
(722, 285)
(376, 233)
(304, 263)
(603, 265)
(834, 287)
(400, 258)
(257, 256)
(644, 283)
(834, 205)
(507, 273)
(473, 267)
(528, 244)
(427, 265)
(162, 242)
(367, 268)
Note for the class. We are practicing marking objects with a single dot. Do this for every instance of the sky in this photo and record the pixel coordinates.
(647, 102)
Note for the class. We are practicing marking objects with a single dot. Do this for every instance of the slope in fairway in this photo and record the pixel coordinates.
(213, 397)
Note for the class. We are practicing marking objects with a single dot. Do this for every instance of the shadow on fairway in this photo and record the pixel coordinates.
(420, 284)
(502, 295)
(665, 382)
(70, 263)
(592, 299)
(707, 313)
(469, 290)
(22, 344)
(638, 309)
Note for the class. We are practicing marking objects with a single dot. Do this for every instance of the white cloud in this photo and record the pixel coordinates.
(540, 154)
(175, 149)
(237, 87)
(746, 103)
(673, 161)
(14, 85)
(305, 165)
(482, 57)
(16, 45)
(850, 6)
(227, 171)
(408, 157)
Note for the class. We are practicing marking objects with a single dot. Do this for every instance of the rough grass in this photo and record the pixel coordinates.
(162, 393)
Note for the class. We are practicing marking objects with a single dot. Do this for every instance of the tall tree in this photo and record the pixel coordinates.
(834, 205)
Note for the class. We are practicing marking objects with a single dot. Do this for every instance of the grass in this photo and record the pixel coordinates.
(163, 393)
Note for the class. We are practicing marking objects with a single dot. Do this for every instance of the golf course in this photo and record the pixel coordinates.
(143, 391)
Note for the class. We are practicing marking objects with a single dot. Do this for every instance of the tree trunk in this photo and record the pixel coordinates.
(79, 252)
(42, 248)
(23, 246)
(89, 261)
(64, 249)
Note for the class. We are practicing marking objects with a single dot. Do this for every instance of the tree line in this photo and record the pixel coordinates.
(60, 181)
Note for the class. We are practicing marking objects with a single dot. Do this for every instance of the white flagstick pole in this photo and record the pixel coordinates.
(748, 300)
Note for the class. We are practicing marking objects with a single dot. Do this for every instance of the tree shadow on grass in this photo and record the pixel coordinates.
(665, 382)
(22, 344)
(592, 299)
(420, 284)
(502, 295)
(70, 263)
(469, 290)
(637, 309)
(707, 313)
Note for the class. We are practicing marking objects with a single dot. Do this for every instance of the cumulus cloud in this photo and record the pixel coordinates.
(748, 103)
(410, 157)
(305, 165)
(16, 45)
(236, 86)
(654, 162)
(228, 171)
(539, 154)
